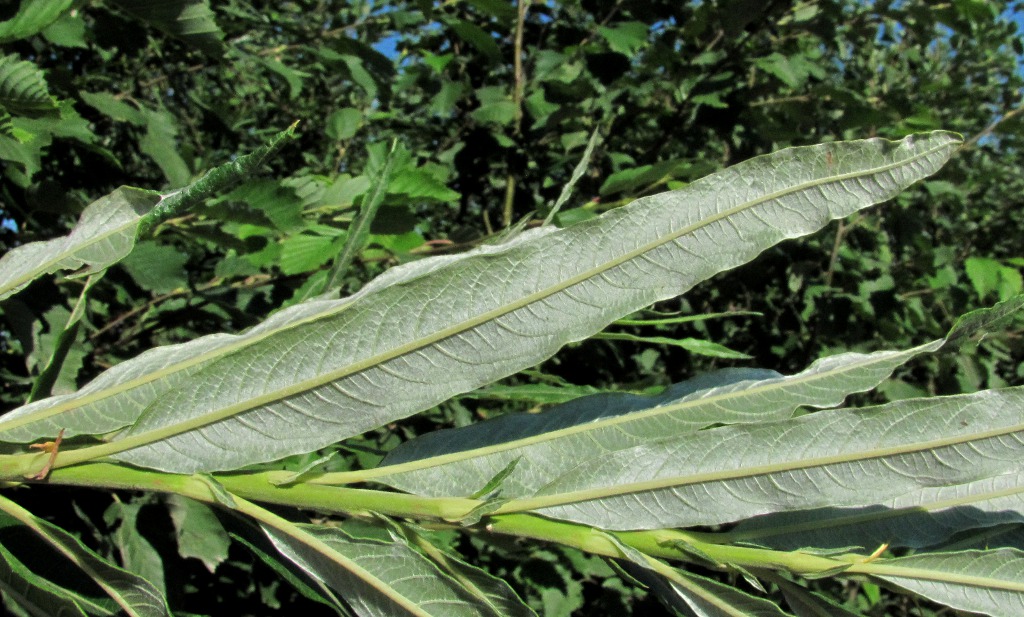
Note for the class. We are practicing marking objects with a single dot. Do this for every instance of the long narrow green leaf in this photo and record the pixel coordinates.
(41, 597)
(104, 234)
(135, 596)
(691, 594)
(359, 231)
(297, 579)
(989, 582)
(554, 442)
(325, 370)
(406, 583)
(804, 603)
(915, 519)
(832, 458)
(43, 385)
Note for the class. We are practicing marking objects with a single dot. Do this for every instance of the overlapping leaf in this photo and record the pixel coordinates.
(31, 18)
(389, 579)
(23, 88)
(105, 233)
(325, 370)
(989, 582)
(551, 444)
(135, 596)
(916, 519)
(39, 596)
(832, 458)
(191, 21)
(548, 445)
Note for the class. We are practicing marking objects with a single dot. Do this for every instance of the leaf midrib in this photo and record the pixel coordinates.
(571, 497)
(869, 517)
(53, 263)
(144, 438)
(455, 457)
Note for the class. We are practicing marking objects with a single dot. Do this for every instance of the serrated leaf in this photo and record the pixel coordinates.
(23, 88)
(160, 143)
(105, 233)
(31, 18)
(192, 21)
(477, 37)
(305, 252)
(625, 38)
(114, 108)
(159, 268)
(381, 579)
(431, 329)
(989, 582)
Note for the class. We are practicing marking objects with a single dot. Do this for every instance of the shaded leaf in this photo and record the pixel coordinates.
(199, 531)
(23, 88)
(42, 597)
(134, 595)
(105, 233)
(989, 582)
(136, 552)
(192, 21)
(299, 579)
(383, 579)
(156, 267)
(916, 519)
(31, 18)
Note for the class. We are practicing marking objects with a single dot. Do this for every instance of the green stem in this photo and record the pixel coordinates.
(657, 543)
(257, 487)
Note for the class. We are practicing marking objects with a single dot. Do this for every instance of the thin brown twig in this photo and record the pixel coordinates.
(988, 130)
(518, 88)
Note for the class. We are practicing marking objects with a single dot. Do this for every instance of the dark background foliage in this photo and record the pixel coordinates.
(492, 104)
